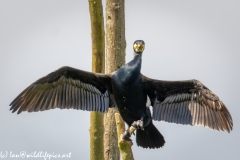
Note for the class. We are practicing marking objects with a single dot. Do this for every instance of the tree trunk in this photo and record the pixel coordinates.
(115, 58)
(98, 65)
(124, 146)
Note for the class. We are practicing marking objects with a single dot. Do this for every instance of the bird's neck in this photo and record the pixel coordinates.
(137, 54)
(131, 70)
(135, 64)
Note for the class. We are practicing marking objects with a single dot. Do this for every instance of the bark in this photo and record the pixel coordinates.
(98, 65)
(124, 146)
(115, 58)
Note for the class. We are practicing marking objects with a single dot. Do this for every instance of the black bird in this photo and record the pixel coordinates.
(184, 102)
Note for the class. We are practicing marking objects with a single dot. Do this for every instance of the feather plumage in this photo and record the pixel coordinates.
(200, 106)
(66, 88)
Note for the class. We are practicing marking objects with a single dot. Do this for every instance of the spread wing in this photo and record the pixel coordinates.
(187, 102)
(66, 88)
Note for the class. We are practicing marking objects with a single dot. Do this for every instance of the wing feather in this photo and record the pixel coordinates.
(180, 112)
(66, 88)
(187, 102)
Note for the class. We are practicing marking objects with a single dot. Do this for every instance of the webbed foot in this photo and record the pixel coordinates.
(126, 136)
(138, 124)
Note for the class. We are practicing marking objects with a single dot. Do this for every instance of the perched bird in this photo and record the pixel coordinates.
(184, 102)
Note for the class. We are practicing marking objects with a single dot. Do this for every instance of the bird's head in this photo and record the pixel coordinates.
(138, 46)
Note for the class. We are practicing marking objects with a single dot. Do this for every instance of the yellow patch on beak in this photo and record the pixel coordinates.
(139, 47)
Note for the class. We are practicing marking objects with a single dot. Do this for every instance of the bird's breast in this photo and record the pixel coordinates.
(129, 96)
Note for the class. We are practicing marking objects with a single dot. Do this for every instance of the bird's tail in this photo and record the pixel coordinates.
(150, 137)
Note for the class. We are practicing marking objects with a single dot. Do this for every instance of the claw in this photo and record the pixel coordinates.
(126, 136)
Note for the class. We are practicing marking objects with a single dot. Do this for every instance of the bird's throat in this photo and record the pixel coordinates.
(131, 71)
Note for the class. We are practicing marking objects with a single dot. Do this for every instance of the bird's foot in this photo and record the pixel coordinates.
(126, 136)
(138, 124)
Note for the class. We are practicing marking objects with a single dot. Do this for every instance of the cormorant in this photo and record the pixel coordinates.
(184, 102)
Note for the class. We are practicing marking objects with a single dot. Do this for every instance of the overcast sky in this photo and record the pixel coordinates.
(184, 40)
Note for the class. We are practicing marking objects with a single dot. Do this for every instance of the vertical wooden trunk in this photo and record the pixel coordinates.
(98, 65)
(124, 146)
(115, 58)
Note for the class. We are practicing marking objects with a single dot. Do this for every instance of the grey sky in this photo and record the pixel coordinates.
(184, 40)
